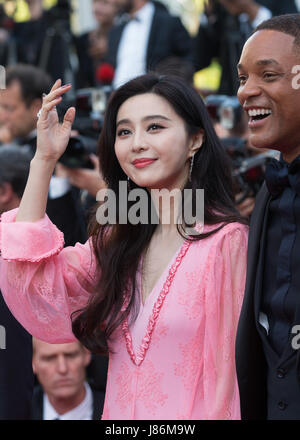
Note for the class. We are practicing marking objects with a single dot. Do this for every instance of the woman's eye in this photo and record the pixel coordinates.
(155, 127)
(123, 132)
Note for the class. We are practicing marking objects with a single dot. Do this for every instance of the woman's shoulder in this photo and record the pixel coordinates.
(233, 231)
(223, 229)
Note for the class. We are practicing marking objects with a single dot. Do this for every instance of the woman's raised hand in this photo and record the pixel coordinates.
(52, 136)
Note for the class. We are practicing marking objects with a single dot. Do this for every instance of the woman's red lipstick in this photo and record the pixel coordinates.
(141, 163)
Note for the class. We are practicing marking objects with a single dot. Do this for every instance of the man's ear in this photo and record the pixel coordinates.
(196, 142)
(36, 105)
(87, 356)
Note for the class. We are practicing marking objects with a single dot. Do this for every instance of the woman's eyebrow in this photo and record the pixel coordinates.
(146, 118)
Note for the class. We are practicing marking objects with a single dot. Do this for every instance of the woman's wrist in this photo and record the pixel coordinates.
(43, 163)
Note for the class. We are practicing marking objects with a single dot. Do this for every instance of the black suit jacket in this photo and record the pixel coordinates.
(251, 362)
(168, 37)
(16, 376)
(37, 403)
(278, 8)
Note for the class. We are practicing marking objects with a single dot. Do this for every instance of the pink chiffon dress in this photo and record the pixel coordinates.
(176, 360)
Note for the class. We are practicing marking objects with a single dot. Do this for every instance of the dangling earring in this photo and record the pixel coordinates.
(191, 168)
(128, 183)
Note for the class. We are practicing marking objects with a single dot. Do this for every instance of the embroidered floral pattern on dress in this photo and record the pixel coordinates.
(192, 360)
(137, 360)
(14, 275)
(148, 388)
(124, 382)
(160, 332)
(228, 343)
(193, 302)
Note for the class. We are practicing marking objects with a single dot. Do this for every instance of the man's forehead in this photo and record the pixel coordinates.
(13, 89)
(56, 349)
(267, 47)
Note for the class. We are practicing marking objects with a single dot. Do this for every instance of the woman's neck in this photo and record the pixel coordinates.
(167, 205)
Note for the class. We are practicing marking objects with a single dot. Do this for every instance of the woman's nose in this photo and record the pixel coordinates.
(138, 142)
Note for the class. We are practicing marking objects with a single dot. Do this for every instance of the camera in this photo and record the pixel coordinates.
(90, 106)
(224, 109)
(248, 171)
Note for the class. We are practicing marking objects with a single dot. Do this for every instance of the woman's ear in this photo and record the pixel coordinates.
(196, 142)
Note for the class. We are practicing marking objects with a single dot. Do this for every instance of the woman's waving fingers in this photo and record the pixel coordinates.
(52, 99)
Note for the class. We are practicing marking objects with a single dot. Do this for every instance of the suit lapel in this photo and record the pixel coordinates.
(254, 245)
(260, 223)
(114, 41)
(154, 33)
(256, 253)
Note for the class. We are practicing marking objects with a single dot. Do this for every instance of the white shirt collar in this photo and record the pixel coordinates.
(133, 46)
(84, 411)
(146, 12)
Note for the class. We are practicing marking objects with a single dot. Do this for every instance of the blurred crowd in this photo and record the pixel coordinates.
(131, 38)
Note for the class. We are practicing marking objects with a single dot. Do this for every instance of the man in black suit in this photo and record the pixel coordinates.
(267, 346)
(148, 35)
(63, 392)
(16, 376)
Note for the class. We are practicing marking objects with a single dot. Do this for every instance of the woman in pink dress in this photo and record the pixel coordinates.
(162, 298)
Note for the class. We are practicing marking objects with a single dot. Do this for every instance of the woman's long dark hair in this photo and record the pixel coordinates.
(118, 248)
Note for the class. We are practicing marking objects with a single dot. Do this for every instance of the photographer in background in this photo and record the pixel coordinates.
(6, 26)
(248, 163)
(224, 27)
(16, 376)
(92, 46)
(45, 40)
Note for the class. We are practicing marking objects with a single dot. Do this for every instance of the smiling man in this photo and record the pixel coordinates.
(268, 363)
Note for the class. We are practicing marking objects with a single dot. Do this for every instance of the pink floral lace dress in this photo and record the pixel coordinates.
(176, 361)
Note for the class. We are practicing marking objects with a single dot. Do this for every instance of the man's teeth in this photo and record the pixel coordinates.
(259, 112)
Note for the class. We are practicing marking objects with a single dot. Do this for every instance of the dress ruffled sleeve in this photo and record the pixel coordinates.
(42, 282)
(223, 304)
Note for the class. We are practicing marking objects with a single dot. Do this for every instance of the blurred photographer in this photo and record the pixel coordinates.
(92, 46)
(224, 27)
(45, 39)
(248, 163)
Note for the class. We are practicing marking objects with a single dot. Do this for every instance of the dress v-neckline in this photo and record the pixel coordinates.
(159, 280)
(138, 359)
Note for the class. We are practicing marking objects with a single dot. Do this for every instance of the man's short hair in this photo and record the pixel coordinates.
(33, 81)
(287, 23)
(14, 167)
